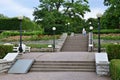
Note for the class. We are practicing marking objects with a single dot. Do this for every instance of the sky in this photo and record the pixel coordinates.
(14, 8)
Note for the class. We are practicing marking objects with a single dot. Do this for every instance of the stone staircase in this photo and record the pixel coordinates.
(77, 43)
(63, 66)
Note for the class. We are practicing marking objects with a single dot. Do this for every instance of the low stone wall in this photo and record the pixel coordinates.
(61, 41)
(41, 49)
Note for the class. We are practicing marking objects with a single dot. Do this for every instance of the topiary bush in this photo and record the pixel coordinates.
(115, 69)
(4, 49)
(113, 51)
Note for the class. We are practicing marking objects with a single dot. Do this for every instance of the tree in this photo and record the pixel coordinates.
(112, 14)
(2, 16)
(59, 12)
(91, 22)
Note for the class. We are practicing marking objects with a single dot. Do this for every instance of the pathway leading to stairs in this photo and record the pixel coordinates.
(57, 56)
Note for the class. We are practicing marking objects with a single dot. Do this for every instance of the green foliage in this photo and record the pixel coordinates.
(107, 31)
(16, 33)
(4, 49)
(38, 45)
(14, 23)
(115, 69)
(43, 37)
(3, 16)
(112, 14)
(49, 14)
(113, 51)
(109, 36)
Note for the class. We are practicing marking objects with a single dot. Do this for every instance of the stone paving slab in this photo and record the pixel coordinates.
(61, 56)
(54, 76)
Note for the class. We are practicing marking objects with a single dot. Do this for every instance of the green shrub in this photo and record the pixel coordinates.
(15, 33)
(113, 51)
(4, 49)
(107, 31)
(38, 45)
(115, 69)
(14, 23)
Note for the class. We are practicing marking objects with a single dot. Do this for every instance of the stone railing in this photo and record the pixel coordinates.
(8, 61)
(61, 41)
(102, 64)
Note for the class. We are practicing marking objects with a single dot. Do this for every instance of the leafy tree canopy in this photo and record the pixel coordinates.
(59, 12)
(112, 14)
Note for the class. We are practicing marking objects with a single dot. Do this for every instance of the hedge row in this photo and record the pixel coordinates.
(113, 51)
(115, 69)
(4, 49)
(14, 23)
(15, 33)
(107, 31)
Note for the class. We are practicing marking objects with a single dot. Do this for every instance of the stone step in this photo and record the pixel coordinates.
(56, 66)
(74, 43)
(37, 61)
(64, 64)
(63, 67)
(61, 70)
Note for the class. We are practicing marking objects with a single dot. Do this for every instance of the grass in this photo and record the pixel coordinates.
(38, 45)
(108, 36)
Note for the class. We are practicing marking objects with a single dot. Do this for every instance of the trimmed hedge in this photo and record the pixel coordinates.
(15, 33)
(107, 31)
(14, 24)
(113, 51)
(115, 69)
(4, 49)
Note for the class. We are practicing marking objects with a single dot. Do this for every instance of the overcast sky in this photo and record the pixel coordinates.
(13, 8)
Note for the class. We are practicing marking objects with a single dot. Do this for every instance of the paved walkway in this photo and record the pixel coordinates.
(74, 56)
(61, 56)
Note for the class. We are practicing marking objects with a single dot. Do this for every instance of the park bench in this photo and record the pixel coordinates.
(102, 64)
(24, 47)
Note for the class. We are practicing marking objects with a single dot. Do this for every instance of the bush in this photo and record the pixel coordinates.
(113, 51)
(14, 23)
(4, 49)
(15, 33)
(110, 36)
(107, 31)
(115, 69)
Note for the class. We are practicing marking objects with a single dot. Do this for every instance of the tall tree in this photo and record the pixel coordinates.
(59, 12)
(112, 14)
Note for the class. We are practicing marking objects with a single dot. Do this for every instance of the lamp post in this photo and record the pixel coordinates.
(91, 28)
(54, 28)
(20, 18)
(99, 46)
(91, 34)
(90, 23)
